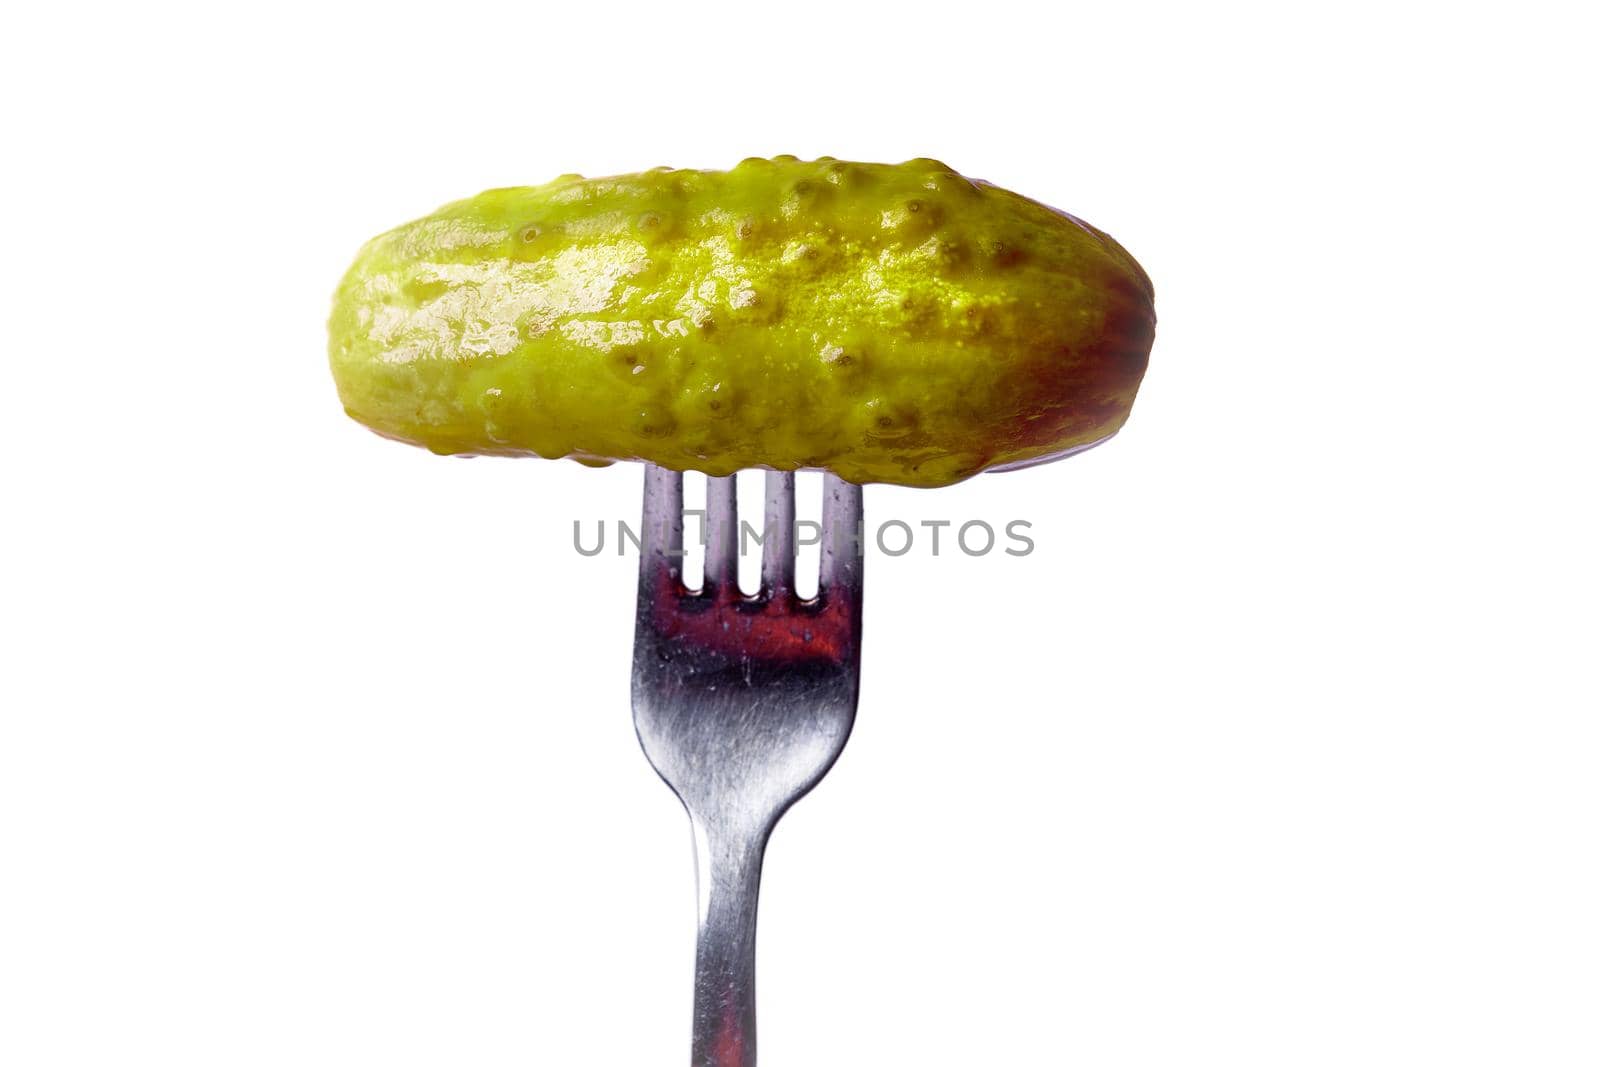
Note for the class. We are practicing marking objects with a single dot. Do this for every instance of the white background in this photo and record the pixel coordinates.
(1280, 749)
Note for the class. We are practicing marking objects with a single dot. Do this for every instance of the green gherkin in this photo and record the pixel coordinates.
(889, 323)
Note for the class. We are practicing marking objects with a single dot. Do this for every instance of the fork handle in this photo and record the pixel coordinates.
(728, 883)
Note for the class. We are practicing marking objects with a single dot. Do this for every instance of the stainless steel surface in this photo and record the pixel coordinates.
(741, 704)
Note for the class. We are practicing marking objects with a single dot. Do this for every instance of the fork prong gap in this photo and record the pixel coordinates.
(722, 535)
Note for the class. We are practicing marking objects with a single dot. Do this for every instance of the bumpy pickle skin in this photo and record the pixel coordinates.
(891, 323)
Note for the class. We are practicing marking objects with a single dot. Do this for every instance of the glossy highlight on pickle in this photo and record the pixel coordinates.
(891, 323)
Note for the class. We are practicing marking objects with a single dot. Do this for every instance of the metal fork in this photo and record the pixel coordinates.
(742, 704)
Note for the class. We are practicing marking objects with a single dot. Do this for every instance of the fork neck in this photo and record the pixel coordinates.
(728, 881)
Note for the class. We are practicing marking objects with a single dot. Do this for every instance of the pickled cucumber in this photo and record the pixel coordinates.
(891, 323)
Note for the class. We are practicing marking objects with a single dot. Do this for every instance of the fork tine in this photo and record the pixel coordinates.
(777, 550)
(661, 532)
(842, 535)
(722, 534)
